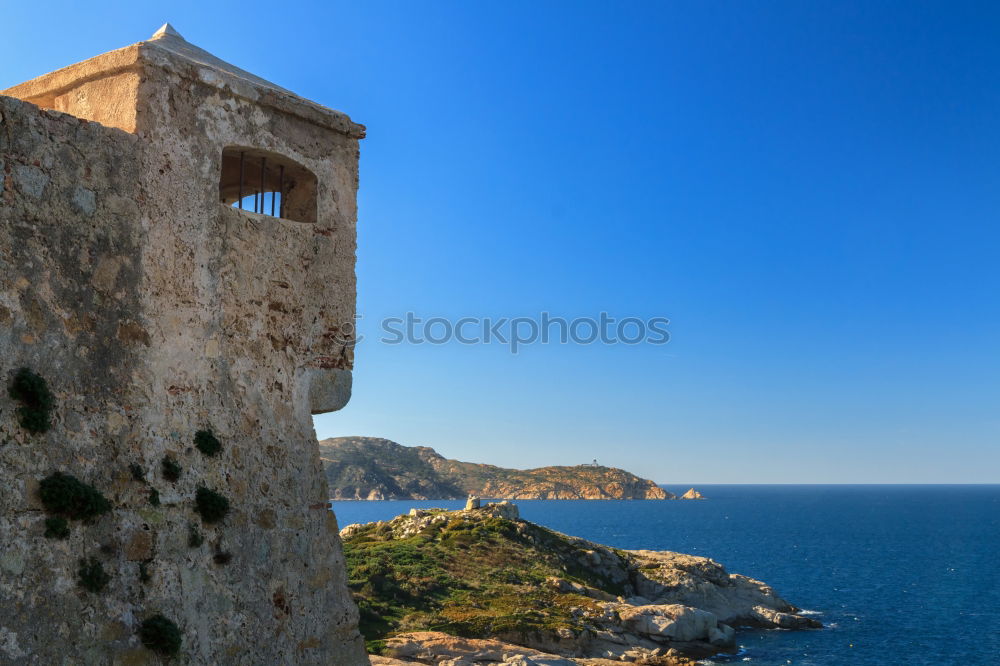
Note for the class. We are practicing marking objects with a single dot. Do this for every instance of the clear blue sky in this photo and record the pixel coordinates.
(808, 190)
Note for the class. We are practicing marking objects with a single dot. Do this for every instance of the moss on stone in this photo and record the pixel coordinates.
(91, 575)
(207, 443)
(37, 401)
(161, 635)
(56, 527)
(67, 496)
(144, 576)
(137, 472)
(171, 469)
(154, 497)
(195, 537)
(212, 506)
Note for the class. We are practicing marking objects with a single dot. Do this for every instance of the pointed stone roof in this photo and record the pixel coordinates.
(167, 49)
(168, 39)
(166, 29)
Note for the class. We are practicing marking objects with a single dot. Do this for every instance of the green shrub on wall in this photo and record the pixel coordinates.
(56, 527)
(171, 470)
(195, 537)
(92, 576)
(207, 443)
(210, 505)
(67, 496)
(160, 635)
(37, 401)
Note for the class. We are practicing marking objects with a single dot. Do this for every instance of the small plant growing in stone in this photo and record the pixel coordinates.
(56, 527)
(171, 470)
(222, 557)
(144, 576)
(67, 496)
(92, 576)
(160, 635)
(138, 473)
(195, 537)
(154, 497)
(210, 505)
(37, 401)
(207, 443)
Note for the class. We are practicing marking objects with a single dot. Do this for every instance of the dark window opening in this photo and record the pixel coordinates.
(268, 184)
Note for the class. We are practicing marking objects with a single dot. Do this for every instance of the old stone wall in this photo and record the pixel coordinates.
(153, 312)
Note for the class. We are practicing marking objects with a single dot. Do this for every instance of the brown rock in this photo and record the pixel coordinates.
(266, 519)
(139, 546)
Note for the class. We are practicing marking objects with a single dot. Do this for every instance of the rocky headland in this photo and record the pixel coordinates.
(370, 468)
(481, 586)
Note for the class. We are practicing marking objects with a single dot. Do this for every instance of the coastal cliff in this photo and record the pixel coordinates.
(373, 468)
(483, 586)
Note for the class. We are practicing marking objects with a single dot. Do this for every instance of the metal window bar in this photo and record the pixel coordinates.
(281, 189)
(260, 192)
(263, 189)
(240, 199)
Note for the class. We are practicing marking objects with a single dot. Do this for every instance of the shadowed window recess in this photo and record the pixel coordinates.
(267, 183)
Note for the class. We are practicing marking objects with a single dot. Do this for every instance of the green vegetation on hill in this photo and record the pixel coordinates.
(482, 573)
(467, 576)
(372, 468)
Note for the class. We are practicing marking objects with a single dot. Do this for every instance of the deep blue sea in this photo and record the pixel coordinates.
(898, 574)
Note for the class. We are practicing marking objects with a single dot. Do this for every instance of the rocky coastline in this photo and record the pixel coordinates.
(508, 591)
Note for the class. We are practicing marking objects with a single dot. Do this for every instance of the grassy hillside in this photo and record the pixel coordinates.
(475, 577)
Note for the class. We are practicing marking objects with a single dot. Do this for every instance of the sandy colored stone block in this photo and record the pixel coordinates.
(106, 274)
(32, 499)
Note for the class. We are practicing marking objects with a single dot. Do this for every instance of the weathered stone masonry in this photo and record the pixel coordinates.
(154, 311)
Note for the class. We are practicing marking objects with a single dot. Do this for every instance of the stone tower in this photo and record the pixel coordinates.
(154, 307)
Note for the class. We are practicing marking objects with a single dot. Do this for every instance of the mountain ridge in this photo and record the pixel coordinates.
(359, 468)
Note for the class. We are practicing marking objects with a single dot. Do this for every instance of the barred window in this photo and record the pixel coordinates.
(267, 184)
